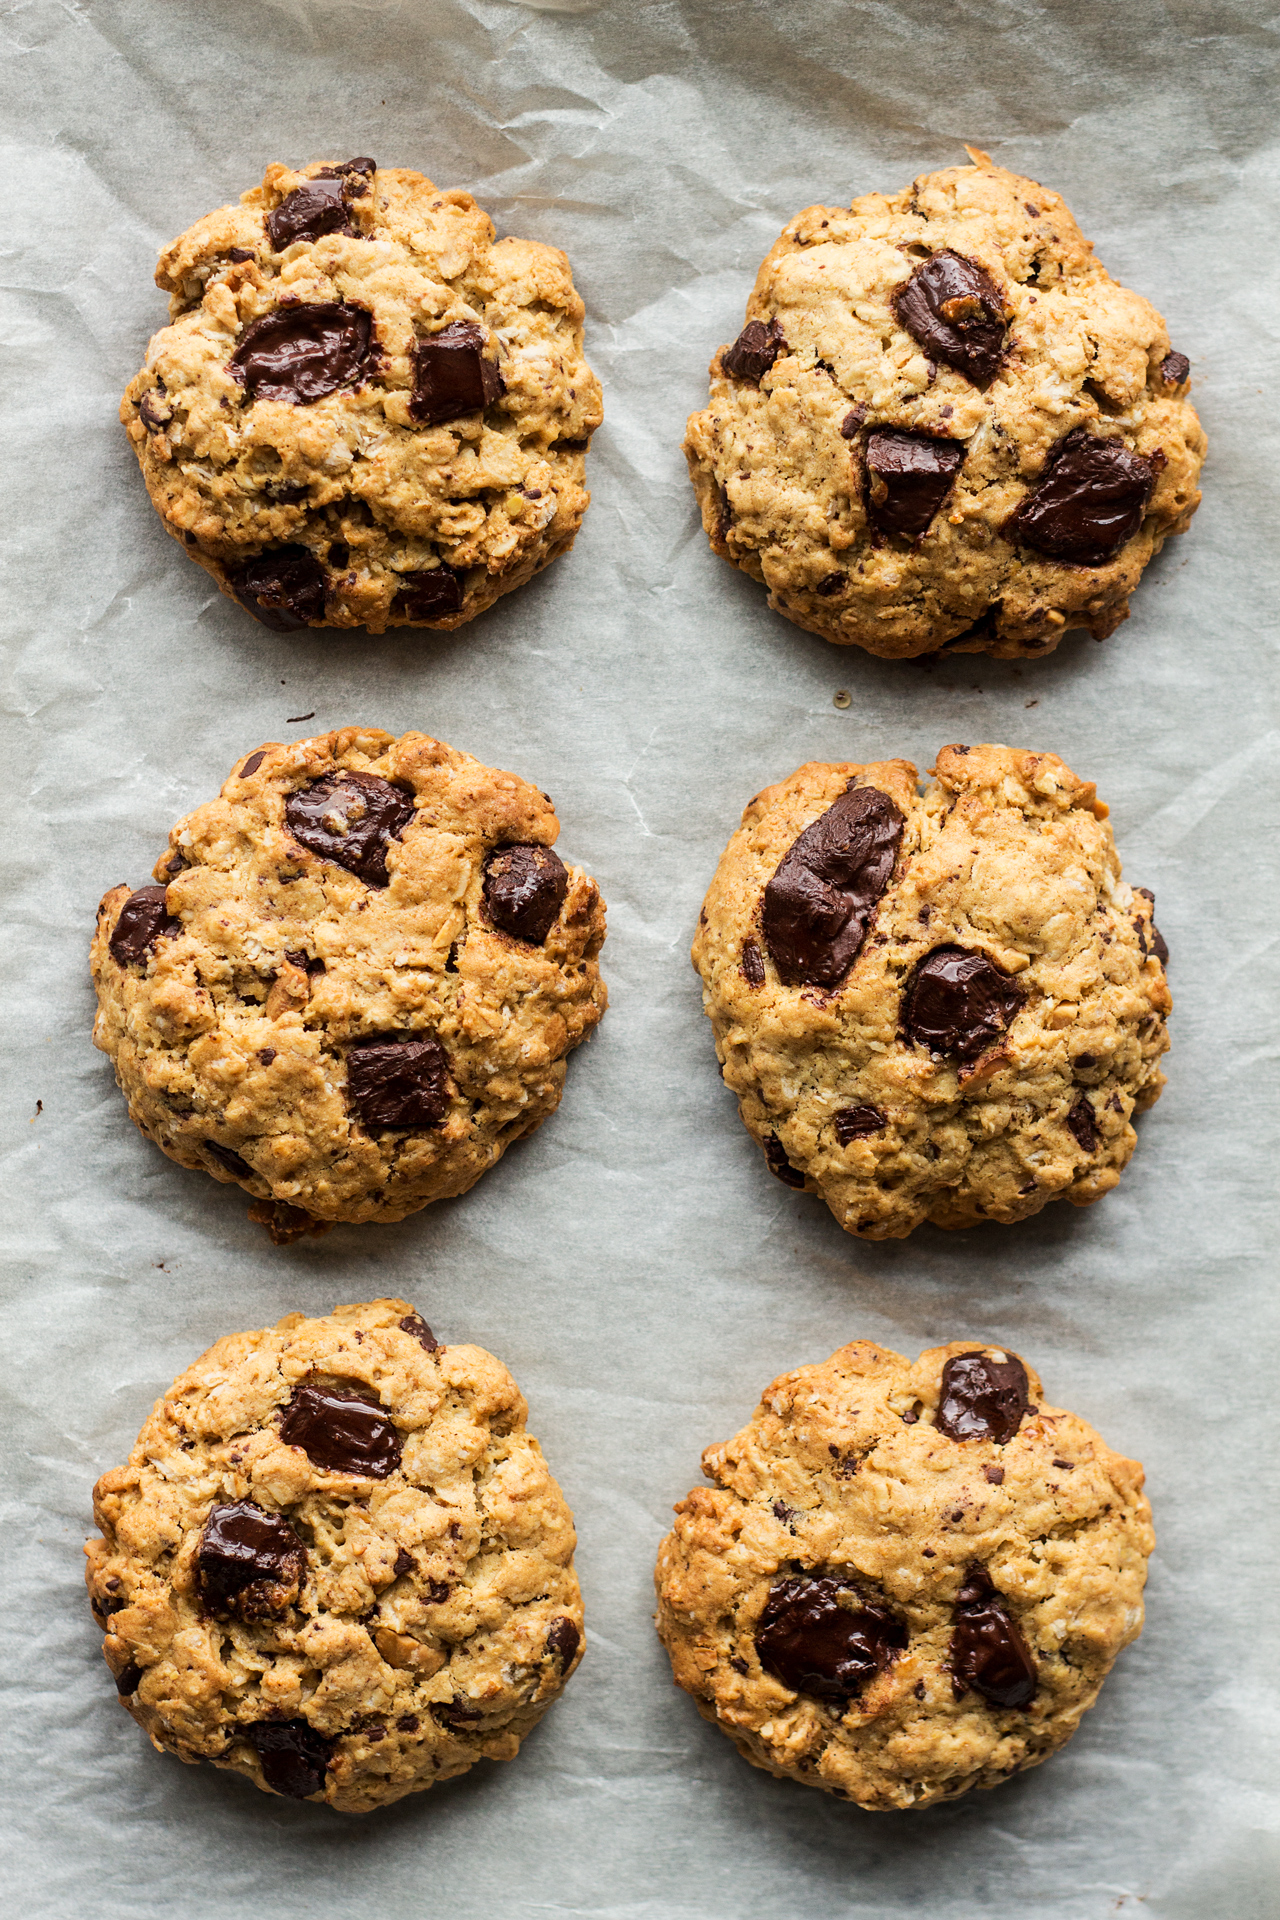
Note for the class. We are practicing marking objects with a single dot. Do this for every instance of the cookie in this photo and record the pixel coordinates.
(356, 981)
(336, 1562)
(905, 1581)
(944, 1006)
(365, 410)
(945, 425)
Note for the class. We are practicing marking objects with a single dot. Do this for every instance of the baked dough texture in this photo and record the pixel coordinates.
(348, 1044)
(870, 482)
(843, 1476)
(1005, 863)
(431, 1614)
(295, 437)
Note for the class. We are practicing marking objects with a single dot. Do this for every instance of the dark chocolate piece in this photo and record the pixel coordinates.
(1159, 945)
(128, 1679)
(415, 1324)
(252, 764)
(453, 375)
(238, 255)
(301, 353)
(404, 1562)
(228, 1160)
(957, 1003)
(855, 1123)
(852, 421)
(779, 1165)
(294, 1755)
(819, 903)
(752, 964)
(754, 351)
(284, 587)
(815, 1644)
(319, 207)
(154, 409)
(341, 1432)
(909, 475)
(982, 1398)
(563, 1640)
(429, 595)
(1174, 369)
(987, 1650)
(143, 920)
(1082, 1124)
(1089, 500)
(524, 889)
(250, 1563)
(350, 818)
(955, 310)
(399, 1080)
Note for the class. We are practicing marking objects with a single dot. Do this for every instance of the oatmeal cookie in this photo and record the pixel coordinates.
(364, 411)
(356, 981)
(941, 1007)
(945, 425)
(906, 1581)
(336, 1562)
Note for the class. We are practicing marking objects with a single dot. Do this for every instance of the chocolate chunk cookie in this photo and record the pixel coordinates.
(358, 981)
(905, 1581)
(336, 1562)
(944, 1006)
(945, 425)
(365, 411)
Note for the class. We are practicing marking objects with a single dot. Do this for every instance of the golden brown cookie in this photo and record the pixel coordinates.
(336, 1562)
(944, 424)
(943, 1006)
(365, 411)
(357, 980)
(905, 1581)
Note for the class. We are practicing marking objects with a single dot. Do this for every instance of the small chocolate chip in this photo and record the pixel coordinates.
(1082, 1124)
(453, 375)
(303, 353)
(452, 1713)
(407, 1723)
(249, 1563)
(832, 583)
(754, 351)
(128, 1679)
(240, 254)
(563, 1640)
(988, 1651)
(142, 921)
(957, 1003)
(404, 1563)
(1087, 503)
(524, 889)
(995, 1475)
(266, 1055)
(778, 1163)
(738, 1665)
(294, 1755)
(819, 903)
(430, 595)
(918, 1689)
(752, 964)
(1174, 369)
(814, 1643)
(399, 1080)
(252, 764)
(1086, 1060)
(341, 1432)
(855, 1123)
(852, 421)
(230, 1162)
(155, 410)
(1033, 211)
(283, 588)
(339, 554)
(1066, 1466)
(350, 818)
(781, 1511)
(908, 476)
(436, 1592)
(982, 1398)
(954, 310)
(413, 1323)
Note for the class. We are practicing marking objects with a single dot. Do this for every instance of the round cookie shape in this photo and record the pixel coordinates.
(365, 411)
(945, 425)
(320, 1002)
(329, 1623)
(972, 1039)
(868, 1603)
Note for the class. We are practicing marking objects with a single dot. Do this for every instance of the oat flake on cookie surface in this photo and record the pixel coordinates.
(944, 424)
(905, 1581)
(365, 410)
(336, 1562)
(356, 981)
(943, 1006)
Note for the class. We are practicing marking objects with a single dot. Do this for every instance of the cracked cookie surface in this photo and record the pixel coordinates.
(946, 425)
(365, 410)
(905, 1581)
(980, 1045)
(357, 981)
(336, 1562)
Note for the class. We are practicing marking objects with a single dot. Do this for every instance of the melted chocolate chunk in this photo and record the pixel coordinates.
(284, 588)
(987, 1650)
(1082, 1124)
(453, 375)
(1089, 500)
(350, 818)
(341, 1432)
(228, 1160)
(143, 920)
(293, 1753)
(524, 889)
(430, 595)
(754, 351)
(317, 208)
(957, 1003)
(415, 1324)
(250, 1563)
(909, 475)
(752, 964)
(301, 353)
(1174, 369)
(955, 310)
(855, 1123)
(813, 1644)
(399, 1081)
(563, 1640)
(128, 1679)
(779, 1165)
(982, 1398)
(819, 903)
